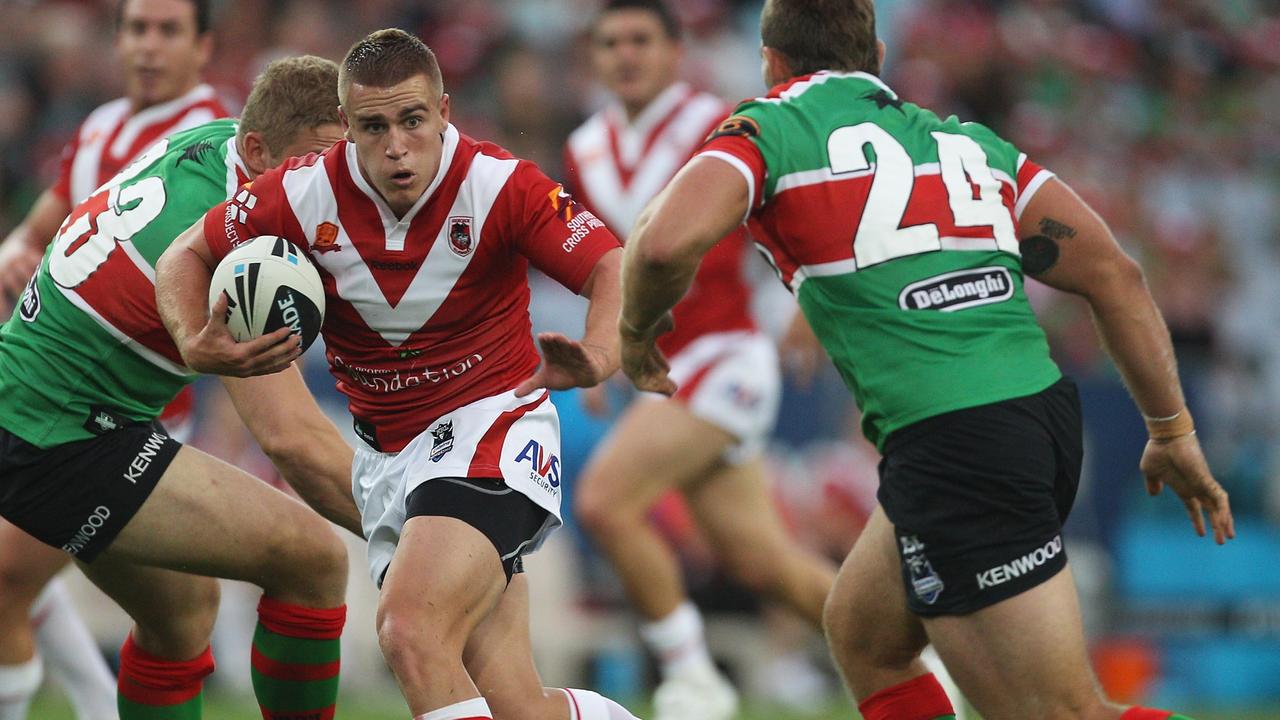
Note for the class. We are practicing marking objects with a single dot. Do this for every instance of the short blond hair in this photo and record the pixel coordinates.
(291, 95)
(387, 57)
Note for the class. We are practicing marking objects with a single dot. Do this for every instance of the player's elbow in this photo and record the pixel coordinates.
(1114, 280)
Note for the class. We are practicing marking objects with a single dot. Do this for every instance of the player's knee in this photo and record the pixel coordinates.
(412, 639)
(181, 628)
(599, 513)
(325, 563)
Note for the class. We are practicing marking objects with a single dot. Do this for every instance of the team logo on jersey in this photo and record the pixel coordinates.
(958, 290)
(564, 204)
(244, 201)
(925, 582)
(441, 440)
(883, 99)
(545, 465)
(460, 240)
(29, 304)
(195, 152)
(326, 238)
(736, 126)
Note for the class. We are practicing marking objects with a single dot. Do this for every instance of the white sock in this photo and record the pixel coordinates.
(18, 683)
(588, 705)
(678, 641)
(75, 660)
(472, 709)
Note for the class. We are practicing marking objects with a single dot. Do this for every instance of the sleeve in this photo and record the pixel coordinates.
(1030, 178)
(734, 142)
(259, 207)
(558, 235)
(62, 186)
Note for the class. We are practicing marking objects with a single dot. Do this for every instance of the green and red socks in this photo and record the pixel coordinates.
(296, 653)
(920, 698)
(152, 688)
(1141, 713)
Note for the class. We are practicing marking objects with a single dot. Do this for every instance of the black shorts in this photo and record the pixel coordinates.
(510, 520)
(79, 495)
(977, 498)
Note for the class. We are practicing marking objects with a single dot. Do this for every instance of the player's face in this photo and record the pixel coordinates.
(633, 55)
(398, 132)
(311, 140)
(161, 52)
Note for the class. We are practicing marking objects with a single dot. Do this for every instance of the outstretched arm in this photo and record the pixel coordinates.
(183, 273)
(571, 363)
(705, 201)
(21, 251)
(1067, 246)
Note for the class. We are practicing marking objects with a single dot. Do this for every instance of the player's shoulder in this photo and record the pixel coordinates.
(105, 116)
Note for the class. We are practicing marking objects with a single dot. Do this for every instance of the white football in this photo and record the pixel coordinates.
(269, 284)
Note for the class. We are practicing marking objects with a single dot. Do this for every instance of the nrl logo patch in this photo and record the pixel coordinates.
(958, 290)
(460, 240)
(441, 440)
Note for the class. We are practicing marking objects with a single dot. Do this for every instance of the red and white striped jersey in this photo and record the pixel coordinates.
(615, 167)
(113, 135)
(428, 312)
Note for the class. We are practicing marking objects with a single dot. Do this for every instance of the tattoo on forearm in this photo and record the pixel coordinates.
(1039, 254)
(1057, 230)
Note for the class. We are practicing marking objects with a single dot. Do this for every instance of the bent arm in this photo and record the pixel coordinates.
(705, 201)
(604, 295)
(300, 440)
(183, 273)
(1070, 248)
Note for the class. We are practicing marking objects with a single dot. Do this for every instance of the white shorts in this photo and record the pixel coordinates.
(501, 436)
(732, 381)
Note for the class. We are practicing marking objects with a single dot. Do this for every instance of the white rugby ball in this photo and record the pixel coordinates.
(269, 284)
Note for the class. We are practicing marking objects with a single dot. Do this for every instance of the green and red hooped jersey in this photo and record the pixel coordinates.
(85, 348)
(896, 230)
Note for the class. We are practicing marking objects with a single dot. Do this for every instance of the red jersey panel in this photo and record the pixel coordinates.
(615, 167)
(826, 235)
(428, 312)
(113, 135)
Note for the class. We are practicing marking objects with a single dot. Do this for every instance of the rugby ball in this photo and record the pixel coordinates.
(269, 284)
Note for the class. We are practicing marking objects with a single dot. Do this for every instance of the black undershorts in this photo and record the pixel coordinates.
(978, 497)
(78, 496)
(508, 518)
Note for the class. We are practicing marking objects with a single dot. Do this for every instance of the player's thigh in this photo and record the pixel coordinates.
(444, 578)
(656, 446)
(26, 566)
(208, 517)
(1022, 657)
(174, 611)
(499, 654)
(735, 510)
(867, 620)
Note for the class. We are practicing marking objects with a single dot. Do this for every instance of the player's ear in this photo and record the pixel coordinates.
(346, 124)
(880, 48)
(256, 155)
(444, 106)
(777, 68)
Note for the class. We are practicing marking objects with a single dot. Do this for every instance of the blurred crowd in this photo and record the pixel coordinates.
(1164, 114)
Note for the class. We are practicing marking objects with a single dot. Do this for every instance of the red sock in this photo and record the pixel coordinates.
(296, 658)
(149, 683)
(920, 698)
(1141, 713)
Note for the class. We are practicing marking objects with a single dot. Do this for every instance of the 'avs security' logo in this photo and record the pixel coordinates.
(958, 290)
(546, 466)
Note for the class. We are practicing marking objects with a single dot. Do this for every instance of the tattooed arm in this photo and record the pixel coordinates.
(1067, 246)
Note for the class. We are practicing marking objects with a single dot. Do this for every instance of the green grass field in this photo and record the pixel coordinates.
(382, 707)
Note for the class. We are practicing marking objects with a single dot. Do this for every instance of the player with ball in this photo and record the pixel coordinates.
(85, 368)
(423, 238)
